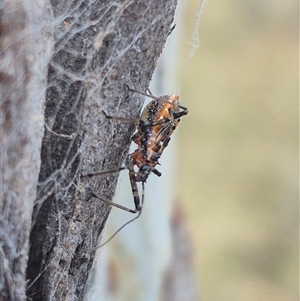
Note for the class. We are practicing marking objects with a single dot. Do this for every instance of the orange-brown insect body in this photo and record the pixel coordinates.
(158, 121)
(155, 126)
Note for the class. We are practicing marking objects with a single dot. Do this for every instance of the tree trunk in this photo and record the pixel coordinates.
(26, 46)
(100, 46)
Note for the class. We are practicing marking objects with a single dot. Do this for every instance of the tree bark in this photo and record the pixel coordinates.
(26, 46)
(100, 46)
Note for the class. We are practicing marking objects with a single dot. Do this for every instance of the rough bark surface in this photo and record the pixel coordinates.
(26, 44)
(100, 46)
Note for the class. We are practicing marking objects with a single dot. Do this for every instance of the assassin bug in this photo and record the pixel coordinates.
(158, 121)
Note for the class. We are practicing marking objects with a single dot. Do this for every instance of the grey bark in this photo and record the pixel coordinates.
(100, 46)
(25, 51)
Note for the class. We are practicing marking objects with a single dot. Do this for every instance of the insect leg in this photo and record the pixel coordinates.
(130, 221)
(162, 121)
(156, 172)
(135, 191)
(124, 119)
(93, 194)
(102, 198)
(171, 29)
(149, 92)
(101, 173)
(147, 95)
(165, 144)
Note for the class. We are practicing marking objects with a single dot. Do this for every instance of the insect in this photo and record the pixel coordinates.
(155, 126)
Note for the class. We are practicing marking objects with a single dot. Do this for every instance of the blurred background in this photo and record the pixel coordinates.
(233, 177)
(239, 148)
